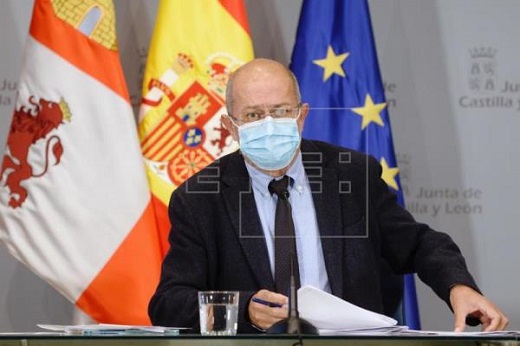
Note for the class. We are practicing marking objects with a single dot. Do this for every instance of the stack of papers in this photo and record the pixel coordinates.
(502, 333)
(334, 316)
(109, 329)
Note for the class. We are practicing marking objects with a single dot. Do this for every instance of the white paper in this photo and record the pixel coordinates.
(393, 330)
(106, 328)
(458, 334)
(333, 315)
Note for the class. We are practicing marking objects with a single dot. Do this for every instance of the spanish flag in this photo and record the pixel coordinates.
(194, 48)
(75, 206)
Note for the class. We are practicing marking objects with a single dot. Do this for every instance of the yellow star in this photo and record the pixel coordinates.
(332, 64)
(370, 112)
(389, 174)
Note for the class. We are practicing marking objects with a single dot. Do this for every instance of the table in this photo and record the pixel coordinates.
(38, 339)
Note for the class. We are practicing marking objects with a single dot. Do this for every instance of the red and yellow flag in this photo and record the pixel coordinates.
(75, 205)
(195, 46)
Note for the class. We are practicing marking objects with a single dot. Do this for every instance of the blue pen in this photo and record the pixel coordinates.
(266, 303)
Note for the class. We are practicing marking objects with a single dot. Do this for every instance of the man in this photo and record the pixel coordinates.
(345, 219)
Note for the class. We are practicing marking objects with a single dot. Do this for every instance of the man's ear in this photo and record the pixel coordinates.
(228, 125)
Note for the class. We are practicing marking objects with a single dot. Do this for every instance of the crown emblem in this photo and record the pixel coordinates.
(482, 52)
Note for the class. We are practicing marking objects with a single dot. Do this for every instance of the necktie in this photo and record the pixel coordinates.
(284, 241)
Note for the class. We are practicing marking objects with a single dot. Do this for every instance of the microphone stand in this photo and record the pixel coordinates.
(293, 324)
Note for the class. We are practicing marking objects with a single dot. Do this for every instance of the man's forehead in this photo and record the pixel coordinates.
(265, 97)
(255, 73)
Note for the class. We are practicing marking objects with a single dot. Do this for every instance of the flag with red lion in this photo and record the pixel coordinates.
(75, 206)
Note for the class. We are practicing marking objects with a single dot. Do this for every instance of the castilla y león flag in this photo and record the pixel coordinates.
(194, 48)
(75, 206)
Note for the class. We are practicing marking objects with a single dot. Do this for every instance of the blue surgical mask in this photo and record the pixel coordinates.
(270, 143)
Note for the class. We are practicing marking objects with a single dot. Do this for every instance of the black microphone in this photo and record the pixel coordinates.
(293, 324)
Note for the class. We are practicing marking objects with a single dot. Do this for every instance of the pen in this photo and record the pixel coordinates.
(266, 303)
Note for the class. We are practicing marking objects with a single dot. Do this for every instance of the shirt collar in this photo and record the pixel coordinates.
(260, 180)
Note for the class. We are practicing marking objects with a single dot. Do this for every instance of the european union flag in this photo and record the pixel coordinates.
(335, 61)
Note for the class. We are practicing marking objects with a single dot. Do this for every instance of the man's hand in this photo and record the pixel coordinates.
(264, 316)
(466, 301)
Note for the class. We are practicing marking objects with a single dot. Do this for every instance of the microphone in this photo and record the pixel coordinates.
(293, 324)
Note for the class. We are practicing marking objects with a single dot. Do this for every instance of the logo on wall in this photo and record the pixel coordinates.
(483, 69)
(486, 90)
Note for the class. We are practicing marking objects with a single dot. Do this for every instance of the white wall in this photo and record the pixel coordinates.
(467, 155)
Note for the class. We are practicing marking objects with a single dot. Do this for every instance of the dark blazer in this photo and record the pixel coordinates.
(217, 241)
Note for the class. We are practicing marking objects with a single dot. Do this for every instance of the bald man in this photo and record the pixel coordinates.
(222, 234)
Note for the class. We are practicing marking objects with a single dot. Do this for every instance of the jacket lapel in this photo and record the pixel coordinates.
(240, 204)
(324, 186)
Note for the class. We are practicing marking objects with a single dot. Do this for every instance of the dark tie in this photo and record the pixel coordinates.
(284, 241)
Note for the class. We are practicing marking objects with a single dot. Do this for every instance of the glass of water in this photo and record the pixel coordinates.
(218, 312)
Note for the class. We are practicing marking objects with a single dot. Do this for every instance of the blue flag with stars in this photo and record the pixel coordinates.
(335, 61)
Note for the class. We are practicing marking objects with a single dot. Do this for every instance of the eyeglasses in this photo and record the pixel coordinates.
(274, 112)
